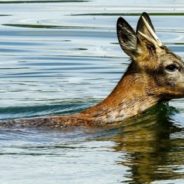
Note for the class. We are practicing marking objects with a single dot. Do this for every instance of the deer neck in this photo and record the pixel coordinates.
(130, 97)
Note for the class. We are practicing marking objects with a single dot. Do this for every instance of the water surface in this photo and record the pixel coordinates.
(61, 56)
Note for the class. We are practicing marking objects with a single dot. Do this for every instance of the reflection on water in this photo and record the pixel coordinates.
(62, 56)
(154, 147)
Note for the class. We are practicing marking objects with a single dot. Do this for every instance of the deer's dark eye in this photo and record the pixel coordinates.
(171, 68)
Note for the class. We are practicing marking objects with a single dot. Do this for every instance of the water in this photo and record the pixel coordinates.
(62, 56)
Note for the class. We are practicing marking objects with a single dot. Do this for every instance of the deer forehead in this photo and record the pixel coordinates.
(171, 58)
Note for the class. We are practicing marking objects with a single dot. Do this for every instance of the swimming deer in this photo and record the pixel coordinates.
(155, 74)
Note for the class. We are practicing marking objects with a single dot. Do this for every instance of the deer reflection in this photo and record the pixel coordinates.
(153, 154)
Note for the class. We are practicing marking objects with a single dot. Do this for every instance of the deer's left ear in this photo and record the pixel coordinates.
(146, 32)
(143, 23)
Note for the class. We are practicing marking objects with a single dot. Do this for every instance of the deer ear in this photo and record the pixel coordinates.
(141, 24)
(127, 37)
(146, 31)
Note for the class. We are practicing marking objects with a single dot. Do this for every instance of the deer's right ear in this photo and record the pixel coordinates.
(127, 37)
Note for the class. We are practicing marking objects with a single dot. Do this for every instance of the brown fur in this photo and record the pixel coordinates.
(149, 79)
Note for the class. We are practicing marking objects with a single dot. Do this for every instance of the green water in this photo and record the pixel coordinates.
(62, 56)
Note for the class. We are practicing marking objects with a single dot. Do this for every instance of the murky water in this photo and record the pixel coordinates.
(62, 56)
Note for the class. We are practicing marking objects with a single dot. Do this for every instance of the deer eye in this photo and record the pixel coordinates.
(171, 68)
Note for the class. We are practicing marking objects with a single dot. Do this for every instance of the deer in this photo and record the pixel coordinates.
(155, 74)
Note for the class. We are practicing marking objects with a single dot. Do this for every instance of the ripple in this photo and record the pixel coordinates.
(42, 1)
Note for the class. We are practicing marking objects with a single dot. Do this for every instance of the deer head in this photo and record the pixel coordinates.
(160, 68)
